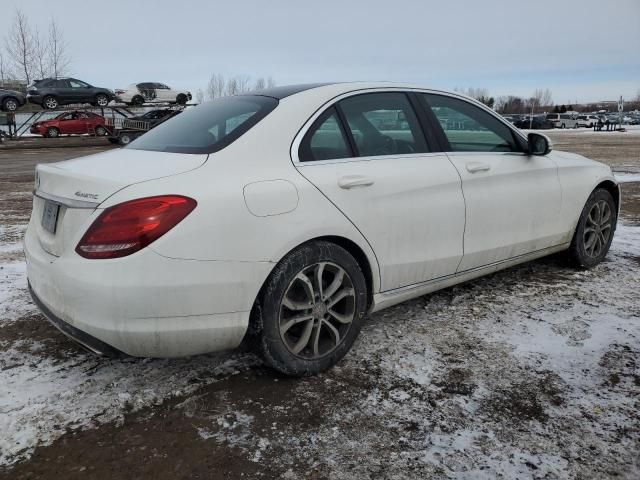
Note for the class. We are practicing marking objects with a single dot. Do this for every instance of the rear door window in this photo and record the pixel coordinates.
(383, 124)
(326, 139)
(209, 127)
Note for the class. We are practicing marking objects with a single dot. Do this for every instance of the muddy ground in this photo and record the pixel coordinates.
(529, 373)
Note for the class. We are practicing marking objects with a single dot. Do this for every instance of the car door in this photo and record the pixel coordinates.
(80, 92)
(67, 123)
(84, 122)
(63, 91)
(369, 157)
(513, 200)
(163, 93)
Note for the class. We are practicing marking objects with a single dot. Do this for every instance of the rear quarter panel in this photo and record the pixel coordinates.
(222, 227)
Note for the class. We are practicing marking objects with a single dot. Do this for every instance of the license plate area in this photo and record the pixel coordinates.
(50, 216)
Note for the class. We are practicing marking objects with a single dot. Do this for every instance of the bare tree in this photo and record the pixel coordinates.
(216, 86)
(59, 61)
(40, 56)
(20, 46)
(546, 100)
(219, 87)
(260, 84)
(270, 82)
(232, 86)
(199, 96)
(238, 84)
(5, 74)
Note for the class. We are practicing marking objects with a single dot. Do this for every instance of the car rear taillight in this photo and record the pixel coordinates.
(130, 226)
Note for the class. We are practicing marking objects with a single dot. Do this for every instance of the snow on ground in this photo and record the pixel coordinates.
(529, 373)
(627, 177)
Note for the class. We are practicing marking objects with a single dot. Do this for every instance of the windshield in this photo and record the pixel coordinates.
(207, 128)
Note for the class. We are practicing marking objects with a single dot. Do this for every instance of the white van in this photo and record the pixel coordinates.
(563, 120)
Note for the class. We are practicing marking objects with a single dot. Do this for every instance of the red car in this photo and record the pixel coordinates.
(76, 123)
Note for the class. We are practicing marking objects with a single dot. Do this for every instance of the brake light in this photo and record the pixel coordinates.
(130, 226)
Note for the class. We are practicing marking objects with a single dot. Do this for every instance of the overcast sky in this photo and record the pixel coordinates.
(584, 50)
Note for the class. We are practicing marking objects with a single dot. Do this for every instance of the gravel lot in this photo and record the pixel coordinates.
(529, 373)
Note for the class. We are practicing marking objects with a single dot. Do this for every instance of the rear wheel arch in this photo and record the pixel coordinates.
(360, 256)
(366, 265)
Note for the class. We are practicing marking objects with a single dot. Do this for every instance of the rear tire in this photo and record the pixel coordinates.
(137, 101)
(125, 139)
(595, 229)
(181, 99)
(100, 131)
(50, 103)
(310, 309)
(52, 132)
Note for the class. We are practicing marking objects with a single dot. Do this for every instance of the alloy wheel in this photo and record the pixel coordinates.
(10, 105)
(597, 229)
(317, 310)
(102, 101)
(51, 103)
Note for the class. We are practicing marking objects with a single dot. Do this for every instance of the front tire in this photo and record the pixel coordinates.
(10, 104)
(53, 132)
(310, 310)
(595, 229)
(102, 100)
(181, 99)
(100, 131)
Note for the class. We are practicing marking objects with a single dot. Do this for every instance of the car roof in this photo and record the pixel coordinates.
(338, 88)
(283, 91)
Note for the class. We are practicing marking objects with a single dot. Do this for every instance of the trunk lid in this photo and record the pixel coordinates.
(77, 187)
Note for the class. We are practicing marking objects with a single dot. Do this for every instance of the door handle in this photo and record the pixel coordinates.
(473, 167)
(351, 181)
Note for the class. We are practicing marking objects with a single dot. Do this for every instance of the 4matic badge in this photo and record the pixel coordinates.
(93, 196)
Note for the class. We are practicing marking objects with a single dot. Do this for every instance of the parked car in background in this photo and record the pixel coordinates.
(71, 123)
(155, 117)
(124, 130)
(10, 100)
(587, 120)
(51, 93)
(511, 118)
(562, 120)
(539, 122)
(151, 92)
(155, 250)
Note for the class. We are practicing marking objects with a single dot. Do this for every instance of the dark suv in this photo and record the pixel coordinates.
(51, 93)
(11, 100)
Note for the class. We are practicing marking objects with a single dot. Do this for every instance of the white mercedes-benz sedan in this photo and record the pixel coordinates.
(284, 216)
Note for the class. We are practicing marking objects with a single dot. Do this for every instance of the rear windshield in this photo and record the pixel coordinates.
(207, 128)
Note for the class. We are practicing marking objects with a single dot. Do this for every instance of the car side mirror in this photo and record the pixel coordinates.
(538, 144)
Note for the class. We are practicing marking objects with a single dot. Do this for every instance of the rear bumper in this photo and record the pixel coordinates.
(145, 305)
(87, 341)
